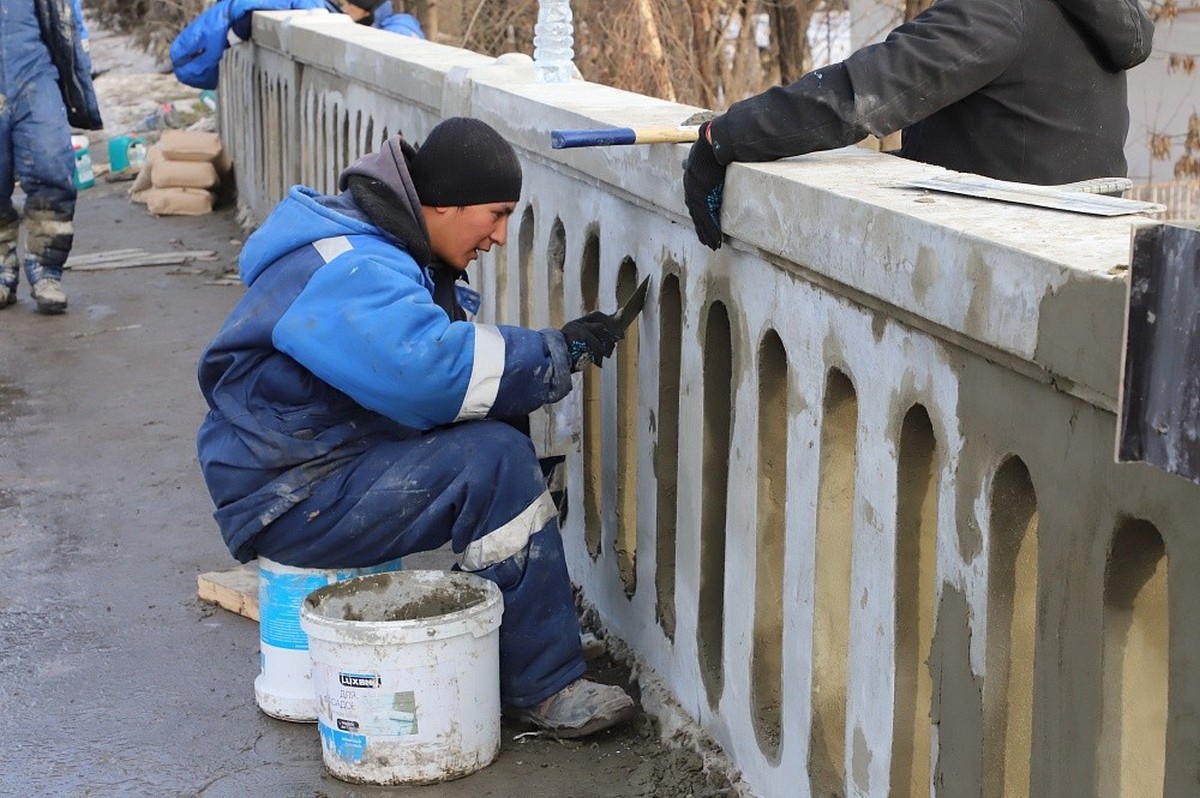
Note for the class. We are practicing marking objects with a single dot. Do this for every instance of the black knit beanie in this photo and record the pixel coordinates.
(465, 161)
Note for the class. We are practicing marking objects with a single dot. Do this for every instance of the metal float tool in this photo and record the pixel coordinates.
(1092, 197)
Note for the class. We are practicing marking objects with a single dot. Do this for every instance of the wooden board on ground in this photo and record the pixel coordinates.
(1158, 418)
(132, 258)
(235, 590)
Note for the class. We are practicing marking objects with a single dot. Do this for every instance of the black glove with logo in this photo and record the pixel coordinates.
(703, 184)
(591, 338)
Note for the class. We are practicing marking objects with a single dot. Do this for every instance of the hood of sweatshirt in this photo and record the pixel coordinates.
(305, 216)
(1121, 29)
(389, 169)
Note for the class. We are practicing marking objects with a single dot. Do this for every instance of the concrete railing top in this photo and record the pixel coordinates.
(1041, 291)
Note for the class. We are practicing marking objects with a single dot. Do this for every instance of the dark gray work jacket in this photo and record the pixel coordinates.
(1025, 90)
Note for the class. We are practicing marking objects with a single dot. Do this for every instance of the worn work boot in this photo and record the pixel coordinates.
(579, 709)
(49, 295)
(8, 295)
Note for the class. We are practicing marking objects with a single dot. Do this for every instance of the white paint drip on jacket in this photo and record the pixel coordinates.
(512, 538)
(487, 368)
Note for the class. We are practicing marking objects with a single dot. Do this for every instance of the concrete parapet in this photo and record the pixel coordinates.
(847, 488)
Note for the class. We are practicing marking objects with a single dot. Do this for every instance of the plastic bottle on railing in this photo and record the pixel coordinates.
(553, 45)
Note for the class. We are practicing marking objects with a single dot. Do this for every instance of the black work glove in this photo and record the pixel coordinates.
(591, 338)
(703, 183)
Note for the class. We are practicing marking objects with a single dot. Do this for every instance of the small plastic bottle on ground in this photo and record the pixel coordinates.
(85, 175)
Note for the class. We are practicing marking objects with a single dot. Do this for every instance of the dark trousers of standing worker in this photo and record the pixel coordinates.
(477, 485)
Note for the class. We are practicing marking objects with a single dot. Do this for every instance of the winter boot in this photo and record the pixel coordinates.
(49, 295)
(49, 233)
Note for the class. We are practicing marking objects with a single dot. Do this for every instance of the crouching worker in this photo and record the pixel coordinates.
(356, 415)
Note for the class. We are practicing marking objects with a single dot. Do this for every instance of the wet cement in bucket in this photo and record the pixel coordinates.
(373, 599)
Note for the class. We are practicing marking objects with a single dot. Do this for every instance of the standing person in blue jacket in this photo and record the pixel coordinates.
(45, 87)
(357, 415)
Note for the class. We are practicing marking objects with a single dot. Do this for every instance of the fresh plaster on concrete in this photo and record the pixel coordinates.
(832, 599)
(956, 710)
(1134, 675)
(1056, 435)
(860, 765)
(719, 381)
(1081, 330)
(1012, 595)
(916, 573)
(771, 477)
(926, 272)
(665, 445)
(628, 433)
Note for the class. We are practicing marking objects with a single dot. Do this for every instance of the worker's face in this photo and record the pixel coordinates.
(354, 12)
(458, 234)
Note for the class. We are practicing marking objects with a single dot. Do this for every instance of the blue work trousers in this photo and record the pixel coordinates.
(476, 482)
(35, 147)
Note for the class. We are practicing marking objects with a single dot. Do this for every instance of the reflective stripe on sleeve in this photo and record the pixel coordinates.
(512, 538)
(486, 370)
(330, 248)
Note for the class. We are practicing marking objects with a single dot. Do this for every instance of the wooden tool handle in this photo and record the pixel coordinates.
(610, 136)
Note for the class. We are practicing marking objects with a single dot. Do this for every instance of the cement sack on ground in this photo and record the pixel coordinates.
(141, 183)
(190, 145)
(183, 174)
(177, 201)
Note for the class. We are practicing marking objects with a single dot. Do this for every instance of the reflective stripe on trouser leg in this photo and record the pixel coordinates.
(462, 483)
(9, 273)
(539, 637)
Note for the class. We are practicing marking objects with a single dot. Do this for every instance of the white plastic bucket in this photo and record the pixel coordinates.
(283, 688)
(406, 668)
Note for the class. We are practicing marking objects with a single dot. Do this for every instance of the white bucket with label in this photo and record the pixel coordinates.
(406, 668)
(283, 688)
